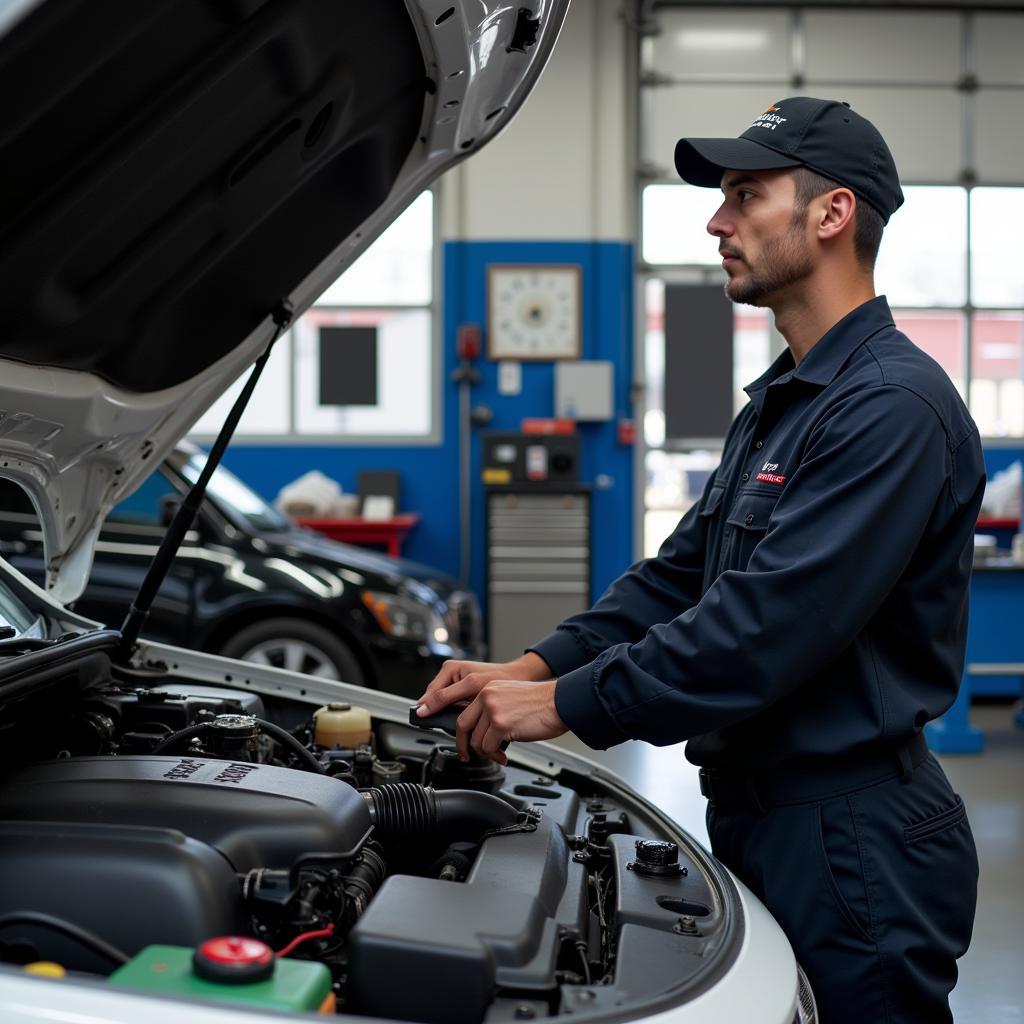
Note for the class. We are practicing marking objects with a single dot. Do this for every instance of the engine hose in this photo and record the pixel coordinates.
(404, 810)
(286, 738)
(365, 879)
(176, 737)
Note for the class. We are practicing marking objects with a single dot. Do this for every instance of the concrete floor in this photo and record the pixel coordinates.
(991, 986)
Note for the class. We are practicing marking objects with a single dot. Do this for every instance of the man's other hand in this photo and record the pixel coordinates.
(463, 680)
(506, 710)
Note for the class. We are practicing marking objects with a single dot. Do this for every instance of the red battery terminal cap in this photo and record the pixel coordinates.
(235, 959)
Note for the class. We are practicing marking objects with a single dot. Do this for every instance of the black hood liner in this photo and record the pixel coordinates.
(173, 167)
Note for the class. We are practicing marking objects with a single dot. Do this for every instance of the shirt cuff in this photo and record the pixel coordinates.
(562, 651)
(581, 710)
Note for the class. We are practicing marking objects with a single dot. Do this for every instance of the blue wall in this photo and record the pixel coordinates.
(429, 474)
(999, 458)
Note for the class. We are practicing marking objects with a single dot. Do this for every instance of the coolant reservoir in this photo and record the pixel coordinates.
(341, 725)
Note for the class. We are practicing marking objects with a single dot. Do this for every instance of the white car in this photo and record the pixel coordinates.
(185, 837)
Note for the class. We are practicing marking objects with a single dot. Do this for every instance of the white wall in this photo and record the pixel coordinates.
(562, 169)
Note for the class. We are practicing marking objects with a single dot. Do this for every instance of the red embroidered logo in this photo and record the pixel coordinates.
(769, 476)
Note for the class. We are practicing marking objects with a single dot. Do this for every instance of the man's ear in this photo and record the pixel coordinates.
(834, 211)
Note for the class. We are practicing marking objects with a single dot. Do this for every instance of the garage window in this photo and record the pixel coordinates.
(359, 367)
(948, 261)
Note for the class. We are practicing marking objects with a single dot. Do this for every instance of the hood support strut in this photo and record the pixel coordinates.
(139, 611)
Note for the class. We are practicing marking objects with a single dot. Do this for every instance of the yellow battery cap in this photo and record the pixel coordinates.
(45, 969)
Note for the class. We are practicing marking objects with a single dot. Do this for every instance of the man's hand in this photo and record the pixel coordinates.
(463, 680)
(506, 710)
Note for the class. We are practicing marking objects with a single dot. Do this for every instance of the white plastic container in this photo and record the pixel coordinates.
(341, 726)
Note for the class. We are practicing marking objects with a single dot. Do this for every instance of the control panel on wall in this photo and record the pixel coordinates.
(534, 311)
(516, 459)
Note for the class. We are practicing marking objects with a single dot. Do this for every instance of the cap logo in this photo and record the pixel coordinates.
(769, 119)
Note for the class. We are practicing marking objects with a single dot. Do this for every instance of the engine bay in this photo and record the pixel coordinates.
(140, 811)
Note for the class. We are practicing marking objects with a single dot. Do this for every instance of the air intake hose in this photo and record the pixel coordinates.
(404, 810)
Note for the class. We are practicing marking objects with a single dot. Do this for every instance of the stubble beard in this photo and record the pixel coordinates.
(783, 262)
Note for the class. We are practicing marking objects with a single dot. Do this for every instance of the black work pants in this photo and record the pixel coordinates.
(875, 888)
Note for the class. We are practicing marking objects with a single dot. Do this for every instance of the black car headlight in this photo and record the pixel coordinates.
(806, 1008)
(406, 618)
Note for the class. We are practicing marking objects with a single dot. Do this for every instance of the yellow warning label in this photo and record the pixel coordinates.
(497, 476)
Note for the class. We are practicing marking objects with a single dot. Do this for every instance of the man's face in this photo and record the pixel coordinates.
(761, 236)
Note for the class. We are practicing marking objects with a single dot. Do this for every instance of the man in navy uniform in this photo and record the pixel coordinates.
(808, 615)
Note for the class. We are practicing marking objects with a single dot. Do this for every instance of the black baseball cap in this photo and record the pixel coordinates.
(823, 135)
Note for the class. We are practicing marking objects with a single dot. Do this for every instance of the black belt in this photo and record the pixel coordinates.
(798, 783)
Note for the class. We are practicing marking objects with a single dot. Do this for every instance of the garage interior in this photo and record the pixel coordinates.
(527, 379)
(584, 179)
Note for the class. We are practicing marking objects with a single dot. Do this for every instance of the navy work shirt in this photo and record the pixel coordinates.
(814, 601)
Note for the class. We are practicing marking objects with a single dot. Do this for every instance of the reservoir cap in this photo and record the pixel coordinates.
(235, 959)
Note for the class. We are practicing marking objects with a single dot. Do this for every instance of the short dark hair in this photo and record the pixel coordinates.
(867, 235)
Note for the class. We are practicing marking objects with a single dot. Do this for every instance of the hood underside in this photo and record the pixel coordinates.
(173, 170)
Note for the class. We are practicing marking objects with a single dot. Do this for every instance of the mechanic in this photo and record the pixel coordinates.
(808, 615)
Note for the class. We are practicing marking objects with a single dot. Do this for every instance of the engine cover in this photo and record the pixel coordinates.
(132, 886)
(257, 816)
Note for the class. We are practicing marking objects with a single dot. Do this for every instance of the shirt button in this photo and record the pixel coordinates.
(745, 477)
(759, 444)
(749, 519)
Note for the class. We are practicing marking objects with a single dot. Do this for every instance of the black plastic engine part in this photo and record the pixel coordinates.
(446, 719)
(658, 901)
(603, 824)
(485, 931)
(444, 770)
(215, 735)
(177, 706)
(409, 812)
(405, 743)
(283, 904)
(656, 857)
(132, 886)
(234, 736)
(386, 773)
(255, 815)
(502, 929)
(89, 732)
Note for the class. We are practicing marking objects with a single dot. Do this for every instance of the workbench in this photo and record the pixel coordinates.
(388, 532)
(995, 653)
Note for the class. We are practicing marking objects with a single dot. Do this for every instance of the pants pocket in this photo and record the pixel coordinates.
(841, 867)
(948, 817)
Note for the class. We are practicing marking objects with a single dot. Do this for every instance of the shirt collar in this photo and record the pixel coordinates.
(828, 356)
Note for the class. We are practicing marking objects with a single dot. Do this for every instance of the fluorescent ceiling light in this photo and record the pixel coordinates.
(732, 40)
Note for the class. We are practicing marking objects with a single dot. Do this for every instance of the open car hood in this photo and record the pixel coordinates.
(173, 170)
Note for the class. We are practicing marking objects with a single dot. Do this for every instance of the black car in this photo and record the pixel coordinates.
(248, 583)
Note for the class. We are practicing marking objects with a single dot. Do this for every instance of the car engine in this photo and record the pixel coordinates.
(138, 810)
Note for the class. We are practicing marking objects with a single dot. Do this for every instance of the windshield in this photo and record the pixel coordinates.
(235, 499)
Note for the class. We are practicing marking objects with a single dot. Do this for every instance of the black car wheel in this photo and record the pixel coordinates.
(297, 646)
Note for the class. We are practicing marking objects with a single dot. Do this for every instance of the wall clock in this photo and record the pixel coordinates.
(533, 311)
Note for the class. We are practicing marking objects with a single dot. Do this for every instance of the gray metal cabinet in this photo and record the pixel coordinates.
(538, 565)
